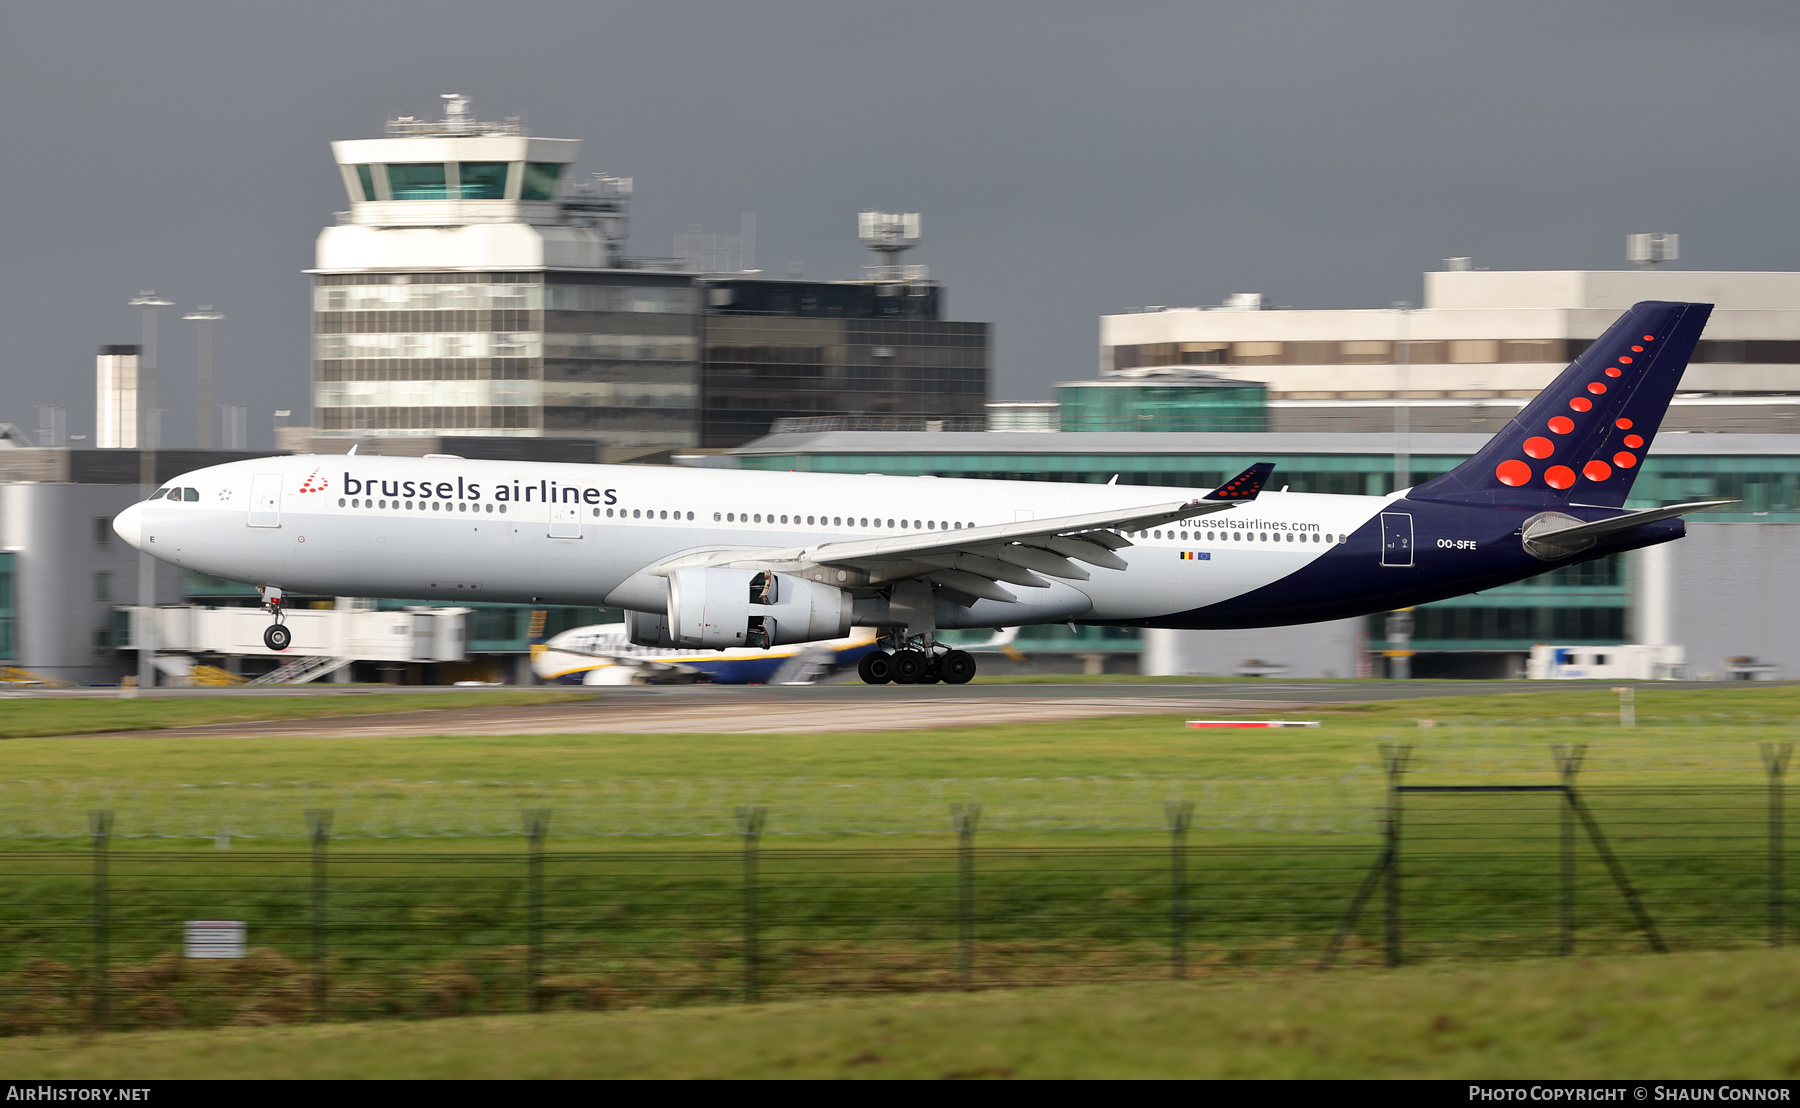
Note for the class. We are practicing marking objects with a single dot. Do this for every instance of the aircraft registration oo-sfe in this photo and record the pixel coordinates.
(716, 559)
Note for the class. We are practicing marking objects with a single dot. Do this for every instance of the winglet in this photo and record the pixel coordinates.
(1245, 485)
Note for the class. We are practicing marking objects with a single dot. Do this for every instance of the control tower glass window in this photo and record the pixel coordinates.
(417, 181)
(541, 180)
(483, 180)
(366, 176)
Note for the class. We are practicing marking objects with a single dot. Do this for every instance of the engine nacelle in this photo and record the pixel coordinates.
(649, 629)
(720, 608)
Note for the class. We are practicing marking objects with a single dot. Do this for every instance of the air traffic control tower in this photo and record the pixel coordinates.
(474, 289)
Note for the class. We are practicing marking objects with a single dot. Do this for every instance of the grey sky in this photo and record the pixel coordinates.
(1070, 159)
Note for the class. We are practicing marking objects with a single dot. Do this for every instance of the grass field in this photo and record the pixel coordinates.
(29, 717)
(643, 880)
(1690, 1016)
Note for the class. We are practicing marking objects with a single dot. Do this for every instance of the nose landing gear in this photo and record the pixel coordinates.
(276, 636)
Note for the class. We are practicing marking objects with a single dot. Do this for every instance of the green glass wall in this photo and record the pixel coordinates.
(8, 618)
(1110, 406)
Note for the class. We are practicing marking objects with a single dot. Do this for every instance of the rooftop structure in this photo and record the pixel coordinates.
(1481, 339)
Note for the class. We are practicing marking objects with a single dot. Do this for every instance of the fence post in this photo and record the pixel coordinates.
(537, 824)
(1393, 758)
(1568, 764)
(964, 818)
(1180, 814)
(100, 827)
(750, 825)
(1627, 705)
(318, 826)
(1775, 760)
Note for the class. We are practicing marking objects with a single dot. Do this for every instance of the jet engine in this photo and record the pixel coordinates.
(720, 608)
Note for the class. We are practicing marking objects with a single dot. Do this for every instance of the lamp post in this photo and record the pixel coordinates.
(144, 637)
(206, 317)
(280, 421)
(1402, 389)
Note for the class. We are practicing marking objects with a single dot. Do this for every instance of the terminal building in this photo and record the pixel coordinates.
(1482, 344)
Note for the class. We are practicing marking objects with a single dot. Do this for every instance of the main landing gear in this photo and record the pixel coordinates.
(916, 663)
(276, 636)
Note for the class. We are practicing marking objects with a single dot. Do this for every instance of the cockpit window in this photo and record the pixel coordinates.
(160, 493)
(190, 495)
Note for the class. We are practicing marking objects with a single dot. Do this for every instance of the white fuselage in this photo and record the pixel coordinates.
(532, 532)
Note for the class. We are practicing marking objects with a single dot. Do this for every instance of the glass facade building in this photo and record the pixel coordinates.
(1167, 402)
(610, 356)
(795, 349)
(8, 641)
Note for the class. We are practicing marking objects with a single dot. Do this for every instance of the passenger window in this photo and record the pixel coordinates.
(837, 521)
(690, 515)
(865, 521)
(931, 524)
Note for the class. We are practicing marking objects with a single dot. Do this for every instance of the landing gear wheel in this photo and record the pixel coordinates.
(876, 667)
(277, 637)
(957, 667)
(932, 674)
(909, 667)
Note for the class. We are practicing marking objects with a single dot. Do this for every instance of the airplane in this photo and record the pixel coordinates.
(603, 654)
(719, 559)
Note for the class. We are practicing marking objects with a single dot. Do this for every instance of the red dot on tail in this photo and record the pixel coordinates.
(1561, 424)
(1622, 423)
(1637, 350)
(1596, 470)
(1581, 403)
(1613, 371)
(1513, 472)
(1596, 387)
(1559, 477)
(1624, 358)
(1624, 460)
(1539, 447)
(1634, 441)
(1649, 338)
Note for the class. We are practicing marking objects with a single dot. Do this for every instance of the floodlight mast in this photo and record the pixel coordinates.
(206, 316)
(144, 635)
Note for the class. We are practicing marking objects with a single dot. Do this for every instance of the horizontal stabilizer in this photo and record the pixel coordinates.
(1561, 535)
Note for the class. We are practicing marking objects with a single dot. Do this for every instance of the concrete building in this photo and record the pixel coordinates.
(116, 416)
(473, 289)
(1481, 346)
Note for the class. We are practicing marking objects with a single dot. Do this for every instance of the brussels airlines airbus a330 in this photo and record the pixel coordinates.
(714, 559)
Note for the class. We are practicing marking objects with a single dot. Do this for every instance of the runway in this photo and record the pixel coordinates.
(788, 709)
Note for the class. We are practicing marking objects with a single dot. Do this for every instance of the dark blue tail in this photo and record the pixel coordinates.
(1582, 439)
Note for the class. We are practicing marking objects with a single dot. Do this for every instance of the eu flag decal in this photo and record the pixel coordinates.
(1196, 556)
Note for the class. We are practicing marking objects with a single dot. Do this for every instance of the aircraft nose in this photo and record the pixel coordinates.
(129, 524)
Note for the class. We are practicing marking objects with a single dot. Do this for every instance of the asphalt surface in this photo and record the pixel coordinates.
(793, 709)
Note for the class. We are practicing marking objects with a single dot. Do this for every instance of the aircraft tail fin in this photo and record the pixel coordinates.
(1583, 438)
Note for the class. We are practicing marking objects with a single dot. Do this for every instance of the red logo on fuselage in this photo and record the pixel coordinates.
(314, 483)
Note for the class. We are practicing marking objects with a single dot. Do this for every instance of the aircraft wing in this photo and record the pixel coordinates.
(975, 562)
